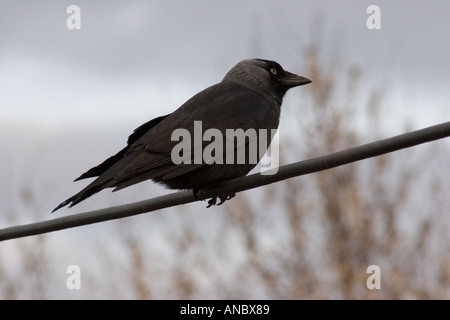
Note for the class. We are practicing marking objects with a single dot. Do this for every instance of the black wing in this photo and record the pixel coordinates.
(105, 165)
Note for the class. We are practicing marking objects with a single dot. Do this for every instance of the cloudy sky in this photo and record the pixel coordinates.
(134, 60)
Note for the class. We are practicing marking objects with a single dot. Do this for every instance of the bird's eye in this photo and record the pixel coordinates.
(273, 71)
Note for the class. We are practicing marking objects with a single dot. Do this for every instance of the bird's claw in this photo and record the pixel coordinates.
(213, 201)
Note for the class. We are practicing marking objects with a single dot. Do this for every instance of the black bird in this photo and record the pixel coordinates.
(249, 96)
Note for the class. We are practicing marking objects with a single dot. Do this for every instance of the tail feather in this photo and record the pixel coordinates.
(80, 196)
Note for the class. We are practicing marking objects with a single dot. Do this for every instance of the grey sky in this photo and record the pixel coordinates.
(138, 59)
(70, 98)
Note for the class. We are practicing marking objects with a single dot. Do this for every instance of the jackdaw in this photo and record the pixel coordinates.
(248, 97)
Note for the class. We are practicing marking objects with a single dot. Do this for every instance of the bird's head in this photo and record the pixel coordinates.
(265, 76)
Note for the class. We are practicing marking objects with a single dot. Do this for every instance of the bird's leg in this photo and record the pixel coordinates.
(211, 202)
(196, 191)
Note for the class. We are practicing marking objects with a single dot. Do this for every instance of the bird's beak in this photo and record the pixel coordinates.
(292, 80)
